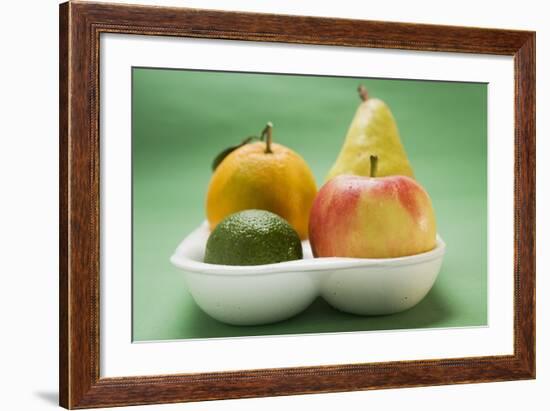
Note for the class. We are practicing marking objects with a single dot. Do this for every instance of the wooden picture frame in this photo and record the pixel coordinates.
(81, 24)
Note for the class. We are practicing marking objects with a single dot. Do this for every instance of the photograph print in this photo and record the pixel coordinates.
(278, 204)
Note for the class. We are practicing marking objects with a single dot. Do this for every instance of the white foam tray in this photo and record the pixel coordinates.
(261, 294)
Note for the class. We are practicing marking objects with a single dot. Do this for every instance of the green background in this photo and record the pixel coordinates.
(182, 119)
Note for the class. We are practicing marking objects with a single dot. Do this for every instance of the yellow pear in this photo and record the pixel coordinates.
(372, 132)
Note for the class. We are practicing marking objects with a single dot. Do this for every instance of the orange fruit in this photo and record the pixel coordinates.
(263, 176)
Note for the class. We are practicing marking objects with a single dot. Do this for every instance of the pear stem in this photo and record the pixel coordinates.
(267, 133)
(373, 165)
(363, 93)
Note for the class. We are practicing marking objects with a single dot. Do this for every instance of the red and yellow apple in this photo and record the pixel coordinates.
(371, 217)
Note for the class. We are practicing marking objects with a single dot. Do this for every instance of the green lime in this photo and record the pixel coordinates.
(252, 237)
